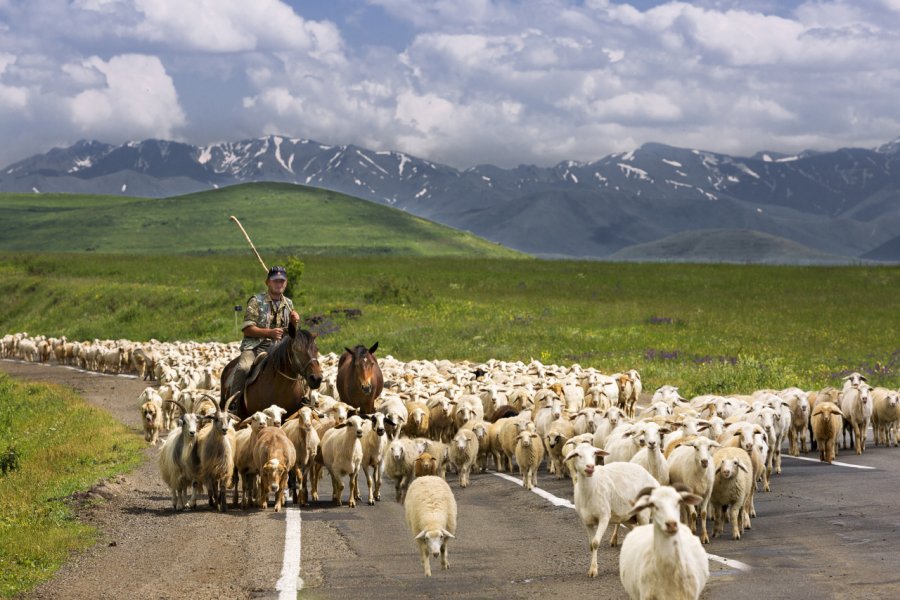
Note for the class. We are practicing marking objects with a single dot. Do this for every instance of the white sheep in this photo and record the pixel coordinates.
(663, 559)
(885, 415)
(691, 464)
(399, 464)
(431, 517)
(374, 446)
(342, 456)
(856, 404)
(175, 457)
(732, 487)
(603, 495)
(216, 445)
(302, 432)
(529, 455)
(650, 456)
(464, 453)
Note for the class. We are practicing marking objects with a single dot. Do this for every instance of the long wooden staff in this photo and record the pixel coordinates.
(247, 237)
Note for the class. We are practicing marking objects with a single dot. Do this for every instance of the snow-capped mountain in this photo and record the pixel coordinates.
(845, 202)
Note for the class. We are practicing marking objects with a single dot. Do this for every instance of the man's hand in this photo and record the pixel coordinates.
(295, 317)
(276, 333)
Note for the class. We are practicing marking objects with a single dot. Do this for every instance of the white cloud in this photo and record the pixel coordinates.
(137, 100)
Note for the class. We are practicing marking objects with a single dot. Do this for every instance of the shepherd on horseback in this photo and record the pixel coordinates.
(266, 319)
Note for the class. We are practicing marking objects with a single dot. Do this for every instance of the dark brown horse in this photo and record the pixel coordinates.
(286, 375)
(359, 379)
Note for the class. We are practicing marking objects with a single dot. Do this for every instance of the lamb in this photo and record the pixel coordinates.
(650, 456)
(302, 433)
(439, 451)
(174, 459)
(274, 456)
(215, 445)
(826, 420)
(529, 454)
(732, 487)
(464, 454)
(399, 464)
(885, 415)
(342, 456)
(663, 559)
(374, 447)
(856, 405)
(244, 465)
(559, 432)
(274, 414)
(603, 495)
(425, 464)
(691, 464)
(419, 420)
(151, 417)
(798, 403)
(480, 429)
(431, 517)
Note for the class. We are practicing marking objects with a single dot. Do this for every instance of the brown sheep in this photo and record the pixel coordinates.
(827, 421)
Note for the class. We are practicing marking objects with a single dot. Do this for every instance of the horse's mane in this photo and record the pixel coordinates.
(278, 355)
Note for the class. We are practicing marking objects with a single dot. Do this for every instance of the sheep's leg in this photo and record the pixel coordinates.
(735, 512)
(426, 565)
(370, 484)
(314, 483)
(354, 489)
(337, 489)
(859, 438)
(792, 442)
(262, 492)
(778, 457)
(377, 478)
(445, 555)
(704, 536)
(598, 533)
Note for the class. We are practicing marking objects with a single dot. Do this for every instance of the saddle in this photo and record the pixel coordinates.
(255, 369)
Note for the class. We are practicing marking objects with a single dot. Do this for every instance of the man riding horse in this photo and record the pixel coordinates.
(266, 319)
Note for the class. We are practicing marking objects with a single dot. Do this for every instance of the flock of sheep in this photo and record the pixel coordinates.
(663, 470)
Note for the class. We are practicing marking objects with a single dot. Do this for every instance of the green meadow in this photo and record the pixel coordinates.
(704, 328)
(278, 216)
(175, 269)
(51, 445)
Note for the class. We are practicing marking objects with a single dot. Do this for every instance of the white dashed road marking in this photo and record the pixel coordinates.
(556, 501)
(290, 583)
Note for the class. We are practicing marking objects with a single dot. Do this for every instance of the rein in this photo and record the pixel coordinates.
(301, 370)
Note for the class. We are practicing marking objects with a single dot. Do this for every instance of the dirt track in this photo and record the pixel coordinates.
(823, 532)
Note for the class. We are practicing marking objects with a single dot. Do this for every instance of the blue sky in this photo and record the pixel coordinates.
(461, 82)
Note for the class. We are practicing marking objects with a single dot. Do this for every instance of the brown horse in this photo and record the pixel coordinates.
(359, 379)
(286, 375)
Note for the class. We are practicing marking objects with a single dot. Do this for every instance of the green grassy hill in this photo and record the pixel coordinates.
(279, 217)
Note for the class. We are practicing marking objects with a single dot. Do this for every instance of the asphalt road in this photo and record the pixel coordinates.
(823, 532)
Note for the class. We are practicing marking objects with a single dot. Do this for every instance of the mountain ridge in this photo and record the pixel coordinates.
(845, 202)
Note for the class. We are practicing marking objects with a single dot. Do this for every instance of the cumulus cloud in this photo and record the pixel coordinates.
(471, 81)
(136, 99)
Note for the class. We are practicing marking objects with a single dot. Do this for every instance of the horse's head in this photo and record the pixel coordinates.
(306, 356)
(364, 366)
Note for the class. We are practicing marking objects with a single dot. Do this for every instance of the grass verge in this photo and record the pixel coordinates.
(52, 444)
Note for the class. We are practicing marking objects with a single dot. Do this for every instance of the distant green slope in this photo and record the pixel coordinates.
(283, 217)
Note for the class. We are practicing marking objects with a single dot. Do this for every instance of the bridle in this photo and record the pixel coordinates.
(302, 369)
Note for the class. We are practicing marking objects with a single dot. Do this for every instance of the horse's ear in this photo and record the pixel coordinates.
(292, 329)
(348, 350)
(373, 348)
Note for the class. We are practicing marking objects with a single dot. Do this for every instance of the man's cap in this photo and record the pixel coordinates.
(277, 273)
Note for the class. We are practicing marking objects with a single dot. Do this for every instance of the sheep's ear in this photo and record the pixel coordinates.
(640, 504)
(692, 499)
(571, 455)
(447, 534)
(389, 421)
(535, 436)
(742, 467)
(863, 377)
(600, 452)
(715, 444)
(341, 426)
(421, 535)
(665, 430)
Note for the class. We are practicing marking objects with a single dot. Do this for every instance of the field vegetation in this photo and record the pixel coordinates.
(51, 446)
(704, 328)
(290, 218)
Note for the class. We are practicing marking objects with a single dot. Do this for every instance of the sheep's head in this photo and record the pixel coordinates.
(434, 539)
(729, 467)
(397, 450)
(664, 503)
(585, 458)
(526, 438)
(273, 472)
(701, 448)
